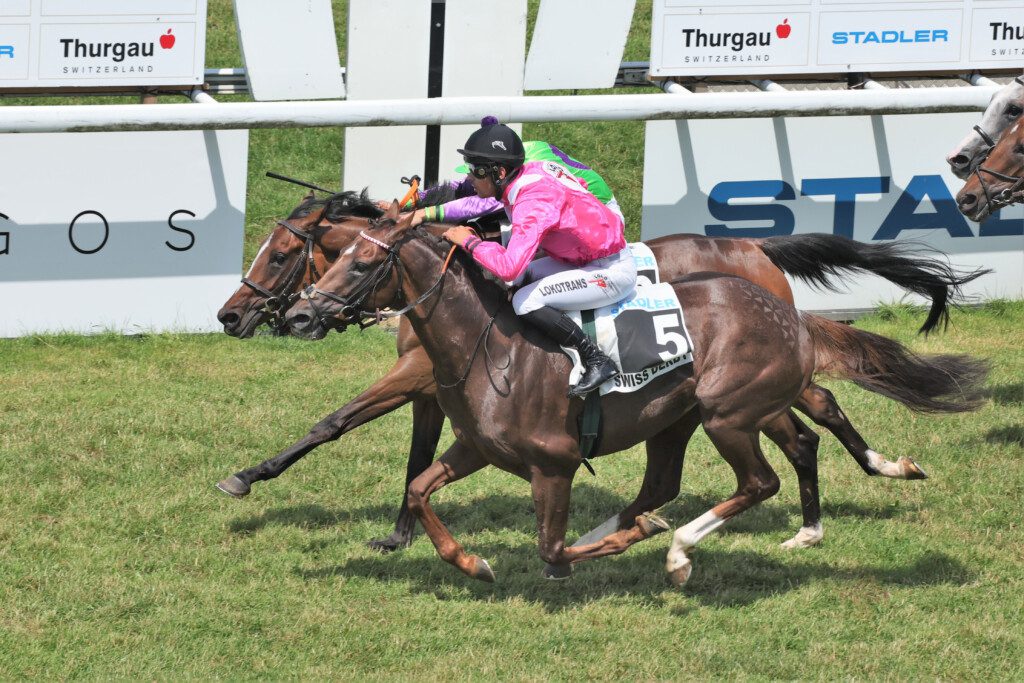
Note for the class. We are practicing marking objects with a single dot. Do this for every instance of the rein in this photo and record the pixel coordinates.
(281, 294)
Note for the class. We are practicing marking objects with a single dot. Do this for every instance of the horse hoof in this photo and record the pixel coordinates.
(805, 538)
(651, 524)
(911, 470)
(680, 575)
(234, 487)
(482, 570)
(554, 572)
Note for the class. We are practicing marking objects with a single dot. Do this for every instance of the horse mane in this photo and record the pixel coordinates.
(435, 195)
(350, 204)
(488, 281)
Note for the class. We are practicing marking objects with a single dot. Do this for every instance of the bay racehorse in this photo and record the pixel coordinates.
(999, 180)
(753, 355)
(302, 247)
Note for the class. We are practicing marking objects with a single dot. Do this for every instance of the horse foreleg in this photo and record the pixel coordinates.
(800, 445)
(408, 378)
(457, 462)
(427, 421)
(755, 481)
(820, 405)
(551, 491)
(666, 452)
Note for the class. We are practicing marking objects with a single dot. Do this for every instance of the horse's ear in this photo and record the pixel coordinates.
(393, 211)
(310, 196)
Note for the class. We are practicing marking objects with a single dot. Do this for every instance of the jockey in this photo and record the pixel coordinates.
(467, 205)
(588, 264)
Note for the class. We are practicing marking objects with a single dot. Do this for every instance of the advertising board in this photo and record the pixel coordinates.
(103, 43)
(869, 178)
(691, 38)
(127, 232)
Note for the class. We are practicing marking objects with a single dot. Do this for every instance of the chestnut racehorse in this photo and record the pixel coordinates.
(999, 180)
(318, 231)
(753, 355)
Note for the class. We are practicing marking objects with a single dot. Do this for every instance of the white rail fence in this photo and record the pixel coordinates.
(468, 110)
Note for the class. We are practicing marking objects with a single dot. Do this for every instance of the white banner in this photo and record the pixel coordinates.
(68, 43)
(766, 37)
(866, 178)
(128, 232)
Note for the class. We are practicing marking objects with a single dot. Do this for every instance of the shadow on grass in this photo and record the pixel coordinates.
(1008, 434)
(1007, 394)
(590, 506)
(721, 578)
(303, 516)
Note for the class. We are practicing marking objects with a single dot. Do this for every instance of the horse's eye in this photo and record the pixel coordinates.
(1013, 111)
(360, 267)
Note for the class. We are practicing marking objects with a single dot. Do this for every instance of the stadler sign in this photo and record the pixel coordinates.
(49, 43)
(829, 36)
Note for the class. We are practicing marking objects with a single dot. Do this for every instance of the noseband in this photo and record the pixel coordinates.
(352, 310)
(1013, 193)
(279, 298)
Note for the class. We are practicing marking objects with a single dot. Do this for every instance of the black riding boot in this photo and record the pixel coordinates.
(597, 367)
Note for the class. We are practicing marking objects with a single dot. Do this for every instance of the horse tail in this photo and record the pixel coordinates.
(819, 258)
(930, 384)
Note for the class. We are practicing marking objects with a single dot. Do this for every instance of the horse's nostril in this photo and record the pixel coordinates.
(959, 160)
(299, 320)
(967, 200)
(228, 318)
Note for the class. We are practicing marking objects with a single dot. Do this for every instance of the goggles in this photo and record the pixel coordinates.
(478, 170)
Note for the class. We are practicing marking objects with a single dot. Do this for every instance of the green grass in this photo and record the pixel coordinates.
(118, 559)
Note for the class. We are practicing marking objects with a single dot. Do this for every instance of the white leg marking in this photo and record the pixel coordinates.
(688, 536)
(609, 526)
(806, 537)
(263, 247)
(883, 466)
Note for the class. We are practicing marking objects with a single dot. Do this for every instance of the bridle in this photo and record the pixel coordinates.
(352, 309)
(277, 299)
(1013, 193)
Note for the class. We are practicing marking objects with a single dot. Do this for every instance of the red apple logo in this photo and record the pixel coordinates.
(782, 30)
(167, 40)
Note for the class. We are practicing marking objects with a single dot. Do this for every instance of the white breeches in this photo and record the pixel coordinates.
(566, 287)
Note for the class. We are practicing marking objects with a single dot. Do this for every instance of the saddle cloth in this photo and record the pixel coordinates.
(645, 335)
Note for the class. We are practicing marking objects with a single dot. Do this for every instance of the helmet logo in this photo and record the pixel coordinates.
(499, 143)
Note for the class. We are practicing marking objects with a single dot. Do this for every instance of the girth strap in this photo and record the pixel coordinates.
(590, 419)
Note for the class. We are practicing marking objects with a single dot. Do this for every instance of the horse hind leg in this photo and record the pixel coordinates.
(820, 405)
(755, 482)
(800, 445)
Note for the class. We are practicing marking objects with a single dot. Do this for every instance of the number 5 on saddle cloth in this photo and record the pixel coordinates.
(645, 335)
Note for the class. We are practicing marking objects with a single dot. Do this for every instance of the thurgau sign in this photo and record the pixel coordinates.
(828, 36)
(64, 43)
